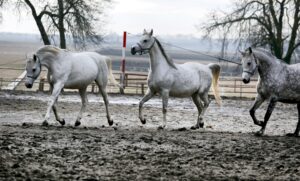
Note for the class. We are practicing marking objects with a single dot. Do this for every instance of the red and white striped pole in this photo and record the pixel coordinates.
(122, 77)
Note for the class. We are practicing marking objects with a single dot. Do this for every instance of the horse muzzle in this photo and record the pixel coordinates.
(28, 85)
(133, 51)
(246, 81)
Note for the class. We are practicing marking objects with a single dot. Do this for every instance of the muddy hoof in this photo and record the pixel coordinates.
(77, 123)
(110, 123)
(62, 122)
(45, 123)
(258, 133)
(143, 121)
(194, 127)
(182, 129)
(201, 125)
(292, 135)
(160, 128)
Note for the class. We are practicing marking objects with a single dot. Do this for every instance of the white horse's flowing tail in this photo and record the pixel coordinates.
(110, 74)
(215, 69)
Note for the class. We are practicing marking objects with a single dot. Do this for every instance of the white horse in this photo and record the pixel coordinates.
(278, 82)
(177, 80)
(70, 70)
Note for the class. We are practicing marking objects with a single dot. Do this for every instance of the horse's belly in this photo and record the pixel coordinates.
(76, 82)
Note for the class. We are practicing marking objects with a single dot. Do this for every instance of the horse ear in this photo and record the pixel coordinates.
(145, 32)
(242, 53)
(34, 57)
(151, 32)
(250, 50)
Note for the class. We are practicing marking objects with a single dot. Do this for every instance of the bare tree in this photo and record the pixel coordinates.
(77, 18)
(38, 20)
(74, 17)
(270, 23)
(1, 5)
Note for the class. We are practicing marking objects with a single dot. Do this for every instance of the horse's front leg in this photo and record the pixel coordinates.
(296, 133)
(258, 101)
(149, 94)
(270, 109)
(82, 93)
(55, 93)
(165, 97)
(60, 120)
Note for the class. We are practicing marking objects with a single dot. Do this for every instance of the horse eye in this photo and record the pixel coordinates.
(33, 70)
(249, 63)
(145, 41)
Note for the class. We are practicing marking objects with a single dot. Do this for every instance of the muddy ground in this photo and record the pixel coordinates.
(225, 149)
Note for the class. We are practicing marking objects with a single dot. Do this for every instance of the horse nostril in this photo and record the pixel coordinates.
(133, 52)
(28, 85)
(246, 81)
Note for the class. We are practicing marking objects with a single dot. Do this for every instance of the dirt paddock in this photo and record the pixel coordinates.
(225, 149)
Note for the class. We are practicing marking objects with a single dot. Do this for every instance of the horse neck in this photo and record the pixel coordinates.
(157, 60)
(48, 61)
(265, 64)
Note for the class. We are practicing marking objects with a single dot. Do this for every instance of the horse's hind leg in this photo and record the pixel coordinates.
(105, 99)
(206, 103)
(199, 105)
(149, 94)
(270, 109)
(296, 133)
(165, 97)
(82, 93)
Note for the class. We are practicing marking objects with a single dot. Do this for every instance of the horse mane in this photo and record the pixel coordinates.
(169, 60)
(268, 53)
(49, 49)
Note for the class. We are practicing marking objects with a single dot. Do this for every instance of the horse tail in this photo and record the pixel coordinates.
(110, 74)
(215, 69)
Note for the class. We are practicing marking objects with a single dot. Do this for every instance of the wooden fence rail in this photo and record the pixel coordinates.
(136, 83)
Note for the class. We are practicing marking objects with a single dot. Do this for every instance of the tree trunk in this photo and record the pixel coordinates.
(38, 21)
(61, 24)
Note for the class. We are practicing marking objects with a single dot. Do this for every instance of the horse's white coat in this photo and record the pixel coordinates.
(71, 70)
(178, 80)
(278, 81)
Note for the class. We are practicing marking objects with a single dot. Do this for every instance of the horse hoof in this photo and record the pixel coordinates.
(161, 127)
(201, 125)
(143, 121)
(292, 135)
(194, 127)
(62, 122)
(77, 123)
(258, 133)
(110, 123)
(45, 123)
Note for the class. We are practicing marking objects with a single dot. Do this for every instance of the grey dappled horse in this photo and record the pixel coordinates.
(278, 82)
(178, 80)
(71, 70)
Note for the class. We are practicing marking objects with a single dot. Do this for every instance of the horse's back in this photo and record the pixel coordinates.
(86, 67)
(190, 78)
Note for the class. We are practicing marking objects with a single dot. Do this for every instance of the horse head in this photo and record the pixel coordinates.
(249, 64)
(145, 44)
(33, 69)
